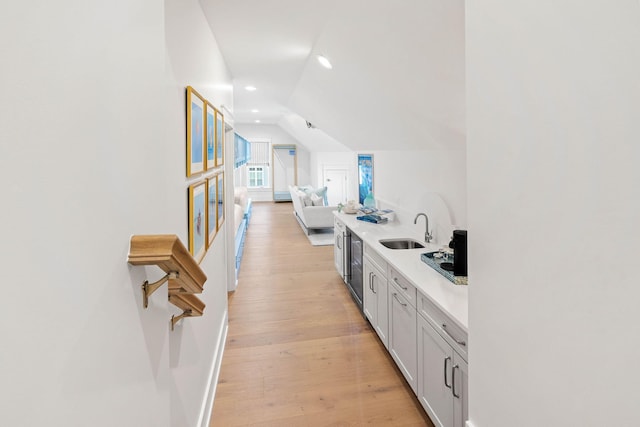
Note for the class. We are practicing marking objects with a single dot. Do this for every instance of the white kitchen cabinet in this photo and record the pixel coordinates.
(442, 378)
(339, 232)
(402, 333)
(375, 297)
(461, 400)
(406, 288)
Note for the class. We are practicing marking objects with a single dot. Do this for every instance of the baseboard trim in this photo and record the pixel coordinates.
(210, 393)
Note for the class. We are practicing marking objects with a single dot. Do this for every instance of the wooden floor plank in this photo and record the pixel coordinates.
(298, 351)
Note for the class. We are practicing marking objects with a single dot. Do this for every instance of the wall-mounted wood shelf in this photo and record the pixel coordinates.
(190, 304)
(184, 275)
(167, 252)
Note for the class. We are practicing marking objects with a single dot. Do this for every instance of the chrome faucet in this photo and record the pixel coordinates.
(427, 235)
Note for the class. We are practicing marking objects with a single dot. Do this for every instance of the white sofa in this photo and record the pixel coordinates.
(310, 216)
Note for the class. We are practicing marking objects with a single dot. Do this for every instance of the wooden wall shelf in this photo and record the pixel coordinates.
(187, 302)
(184, 275)
(190, 304)
(167, 252)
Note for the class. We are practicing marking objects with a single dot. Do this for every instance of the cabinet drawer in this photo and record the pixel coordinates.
(377, 260)
(407, 289)
(451, 332)
(337, 224)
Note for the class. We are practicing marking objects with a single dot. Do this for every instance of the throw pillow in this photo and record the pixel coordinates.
(316, 200)
(305, 199)
(320, 192)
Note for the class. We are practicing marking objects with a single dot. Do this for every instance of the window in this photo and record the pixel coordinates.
(258, 164)
(257, 176)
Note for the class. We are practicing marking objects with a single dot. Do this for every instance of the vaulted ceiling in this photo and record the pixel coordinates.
(397, 80)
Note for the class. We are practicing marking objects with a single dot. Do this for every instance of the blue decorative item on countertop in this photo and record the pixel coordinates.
(373, 218)
(369, 201)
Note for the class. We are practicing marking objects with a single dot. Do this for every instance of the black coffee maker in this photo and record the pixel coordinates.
(459, 245)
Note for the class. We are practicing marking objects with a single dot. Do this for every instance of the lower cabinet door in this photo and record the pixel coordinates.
(435, 382)
(338, 251)
(460, 374)
(369, 297)
(402, 335)
(382, 325)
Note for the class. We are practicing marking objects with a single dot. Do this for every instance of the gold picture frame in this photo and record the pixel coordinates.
(196, 135)
(211, 136)
(212, 209)
(197, 220)
(219, 138)
(220, 200)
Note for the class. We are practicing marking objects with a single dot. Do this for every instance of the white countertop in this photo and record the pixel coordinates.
(450, 298)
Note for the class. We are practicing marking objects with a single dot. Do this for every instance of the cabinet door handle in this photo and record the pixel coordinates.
(338, 241)
(395, 279)
(398, 299)
(453, 381)
(373, 288)
(463, 343)
(446, 360)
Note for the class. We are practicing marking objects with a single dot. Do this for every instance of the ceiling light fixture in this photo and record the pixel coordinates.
(250, 88)
(325, 62)
(255, 110)
(257, 121)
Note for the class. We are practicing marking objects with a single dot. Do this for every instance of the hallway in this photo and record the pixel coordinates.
(298, 352)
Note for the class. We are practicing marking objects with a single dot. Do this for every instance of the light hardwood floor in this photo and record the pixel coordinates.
(298, 352)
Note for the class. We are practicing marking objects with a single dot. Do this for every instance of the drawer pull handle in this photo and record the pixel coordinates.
(453, 381)
(448, 359)
(395, 279)
(396, 297)
(460, 342)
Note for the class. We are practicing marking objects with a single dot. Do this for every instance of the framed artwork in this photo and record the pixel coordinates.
(210, 126)
(220, 194)
(212, 209)
(365, 176)
(197, 220)
(219, 138)
(195, 132)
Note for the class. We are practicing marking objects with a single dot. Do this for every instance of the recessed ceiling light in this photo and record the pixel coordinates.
(255, 110)
(257, 121)
(325, 62)
(250, 88)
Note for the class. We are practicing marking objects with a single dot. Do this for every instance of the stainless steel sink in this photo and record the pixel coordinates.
(401, 244)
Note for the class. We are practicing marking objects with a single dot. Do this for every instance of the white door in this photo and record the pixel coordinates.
(336, 182)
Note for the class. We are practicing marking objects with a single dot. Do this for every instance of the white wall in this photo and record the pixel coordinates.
(553, 110)
(92, 151)
(429, 181)
(82, 168)
(196, 344)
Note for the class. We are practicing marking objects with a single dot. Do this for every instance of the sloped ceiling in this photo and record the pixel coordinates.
(398, 69)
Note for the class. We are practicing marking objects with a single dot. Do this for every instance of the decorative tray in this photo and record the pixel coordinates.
(434, 262)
